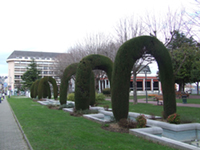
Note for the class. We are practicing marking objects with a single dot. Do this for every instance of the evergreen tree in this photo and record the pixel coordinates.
(182, 50)
(30, 75)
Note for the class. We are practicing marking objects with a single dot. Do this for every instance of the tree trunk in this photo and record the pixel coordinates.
(134, 88)
(197, 88)
(180, 86)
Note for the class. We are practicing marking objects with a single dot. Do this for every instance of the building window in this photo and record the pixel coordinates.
(148, 85)
(155, 85)
(17, 76)
(45, 72)
(139, 86)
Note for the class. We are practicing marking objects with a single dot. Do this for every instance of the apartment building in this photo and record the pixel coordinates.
(18, 62)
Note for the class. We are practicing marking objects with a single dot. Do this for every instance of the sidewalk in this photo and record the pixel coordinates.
(11, 138)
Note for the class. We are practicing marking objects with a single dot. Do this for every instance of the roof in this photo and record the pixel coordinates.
(18, 53)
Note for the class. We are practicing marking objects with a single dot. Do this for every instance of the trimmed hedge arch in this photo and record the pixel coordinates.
(69, 71)
(32, 90)
(36, 84)
(92, 90)
(83, 75)
(126, 56)
(41, 87)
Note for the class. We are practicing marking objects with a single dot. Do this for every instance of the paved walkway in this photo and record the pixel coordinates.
(11, 138)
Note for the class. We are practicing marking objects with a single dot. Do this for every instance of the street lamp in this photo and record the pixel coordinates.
(145, 71)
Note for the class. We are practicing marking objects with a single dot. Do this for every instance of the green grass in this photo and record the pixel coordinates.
(55, 129)
(189, 101)
(190, 113)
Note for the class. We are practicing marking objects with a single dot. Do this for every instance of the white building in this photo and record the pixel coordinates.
(18, 62)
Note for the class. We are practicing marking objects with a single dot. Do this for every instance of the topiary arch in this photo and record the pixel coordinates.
(32, 90)
(36, 84)
(126, 56)
(69, 71)
(41, 87)
(83, 75)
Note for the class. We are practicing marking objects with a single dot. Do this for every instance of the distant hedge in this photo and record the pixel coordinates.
(92, 90)
(83, 75)
(126, 56)
(32, 90)
(44, 88)
(36, 84)
(68, 72)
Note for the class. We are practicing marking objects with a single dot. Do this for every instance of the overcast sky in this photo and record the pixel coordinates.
(55, 25)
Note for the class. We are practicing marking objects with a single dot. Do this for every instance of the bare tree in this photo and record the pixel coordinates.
(91, 44)
(193, 15)
(127, 28)
(163, 26)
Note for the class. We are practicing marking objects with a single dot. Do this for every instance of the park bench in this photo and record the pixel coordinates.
(179, 94)
(159, 99)
(152, 95)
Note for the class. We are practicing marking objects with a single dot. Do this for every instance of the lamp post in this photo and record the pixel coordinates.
(145, 71)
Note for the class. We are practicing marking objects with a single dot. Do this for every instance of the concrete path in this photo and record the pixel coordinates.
(11, 137)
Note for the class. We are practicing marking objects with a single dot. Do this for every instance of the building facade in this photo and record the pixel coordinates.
(18, 62)
(151, 84)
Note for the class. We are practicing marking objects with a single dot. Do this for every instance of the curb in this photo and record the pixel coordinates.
(26, 139)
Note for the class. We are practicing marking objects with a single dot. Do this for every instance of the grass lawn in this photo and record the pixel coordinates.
(55, 129)
(189, 101)
(187, 113)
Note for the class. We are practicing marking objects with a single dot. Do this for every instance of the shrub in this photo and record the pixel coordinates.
(100, 97)
(70, 96)
(141, 121)
(106, 91)
(174, 118)
(106, 107)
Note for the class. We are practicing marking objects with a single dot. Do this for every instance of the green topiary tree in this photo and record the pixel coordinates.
(46, 90)
(92, 90)
(55, 86)
(41, 88)
(36, 84)
(126, 56)
(32, 90)
(83, 74)
(69, 71)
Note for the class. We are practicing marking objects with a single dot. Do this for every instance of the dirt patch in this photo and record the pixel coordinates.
(114, 127)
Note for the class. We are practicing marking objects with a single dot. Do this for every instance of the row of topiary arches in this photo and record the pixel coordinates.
(41, 88)
(119, 75)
